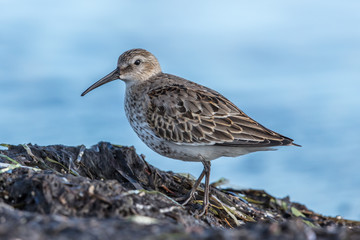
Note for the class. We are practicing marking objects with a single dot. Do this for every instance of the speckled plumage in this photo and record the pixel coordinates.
(180, 119)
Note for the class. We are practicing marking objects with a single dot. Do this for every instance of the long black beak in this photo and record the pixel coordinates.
(108, 78)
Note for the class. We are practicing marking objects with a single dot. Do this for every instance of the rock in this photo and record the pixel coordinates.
(109, 192)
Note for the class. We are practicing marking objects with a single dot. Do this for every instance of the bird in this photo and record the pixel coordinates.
(183, 120)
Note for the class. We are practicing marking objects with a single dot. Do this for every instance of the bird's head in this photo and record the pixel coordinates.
(135, 65)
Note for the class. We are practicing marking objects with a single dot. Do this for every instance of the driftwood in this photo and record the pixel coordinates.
(109, 192)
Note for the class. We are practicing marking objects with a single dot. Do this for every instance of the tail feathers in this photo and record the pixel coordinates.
(297, 145)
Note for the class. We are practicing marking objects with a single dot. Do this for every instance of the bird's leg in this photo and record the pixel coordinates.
(206, 202)
(190, 195)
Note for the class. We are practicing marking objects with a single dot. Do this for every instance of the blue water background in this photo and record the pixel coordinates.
(294, 66)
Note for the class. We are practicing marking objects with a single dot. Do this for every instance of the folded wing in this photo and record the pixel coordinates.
(187, 116)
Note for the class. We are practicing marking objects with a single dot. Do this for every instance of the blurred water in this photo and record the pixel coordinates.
(294, 67)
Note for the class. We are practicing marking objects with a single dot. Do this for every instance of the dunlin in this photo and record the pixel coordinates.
(183, 120)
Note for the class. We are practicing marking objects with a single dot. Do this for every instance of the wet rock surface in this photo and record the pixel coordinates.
(109, 192)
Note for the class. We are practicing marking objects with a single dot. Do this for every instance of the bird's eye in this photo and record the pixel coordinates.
(137, 62)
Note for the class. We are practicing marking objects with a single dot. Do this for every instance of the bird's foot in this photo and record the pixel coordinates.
(186, 198)
(204, 209)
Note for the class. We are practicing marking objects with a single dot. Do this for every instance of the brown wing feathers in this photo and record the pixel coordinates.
(182, 115)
